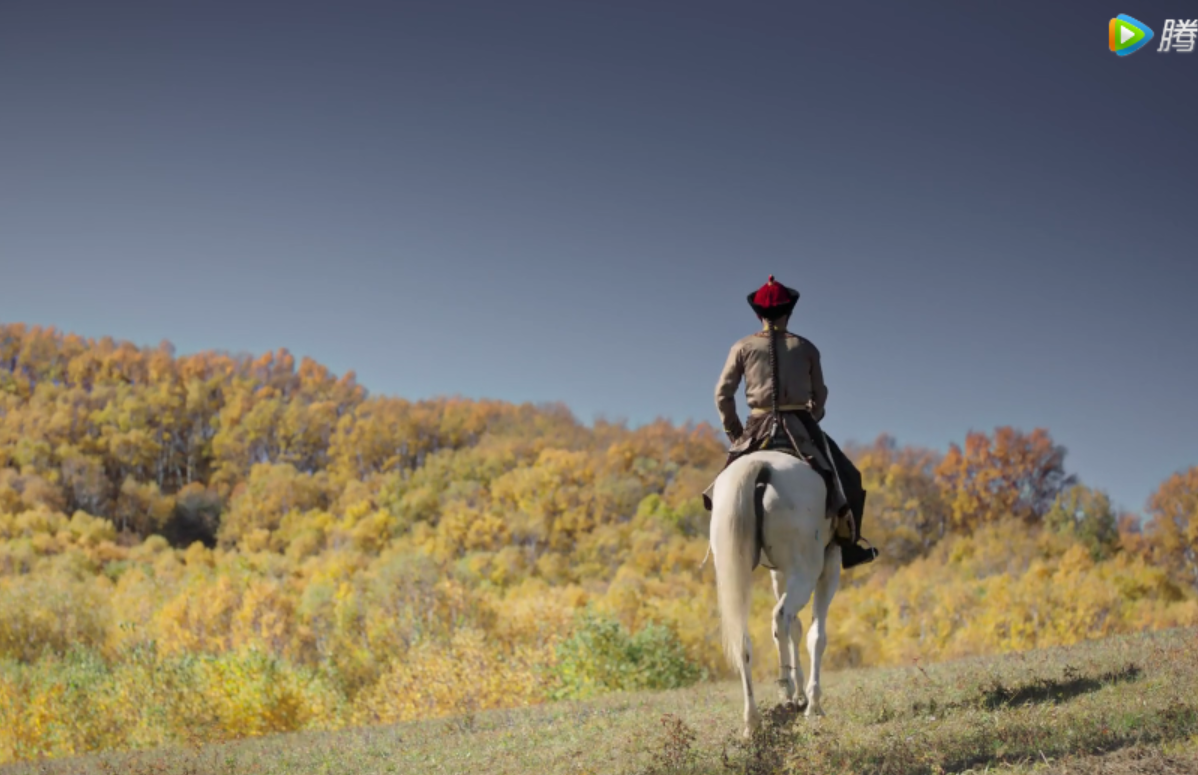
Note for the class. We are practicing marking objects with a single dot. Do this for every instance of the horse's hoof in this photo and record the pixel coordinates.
(752, 723)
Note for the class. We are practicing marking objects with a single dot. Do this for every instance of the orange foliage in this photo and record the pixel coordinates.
(1009, 474)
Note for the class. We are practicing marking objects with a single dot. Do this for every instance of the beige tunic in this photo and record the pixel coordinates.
(800, 378)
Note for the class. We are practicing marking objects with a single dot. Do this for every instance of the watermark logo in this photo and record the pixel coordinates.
(1128, 35)
(1179, 35)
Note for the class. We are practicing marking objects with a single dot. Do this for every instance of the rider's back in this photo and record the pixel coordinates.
(800, 378)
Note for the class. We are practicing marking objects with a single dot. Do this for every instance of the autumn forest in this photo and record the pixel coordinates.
(209, 546)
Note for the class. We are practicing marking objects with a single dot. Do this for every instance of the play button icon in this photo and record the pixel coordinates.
(1127, 35)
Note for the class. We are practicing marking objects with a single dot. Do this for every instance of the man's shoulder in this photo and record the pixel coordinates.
(808, 344)
(761, 341)
(762, 338)
(744, 342)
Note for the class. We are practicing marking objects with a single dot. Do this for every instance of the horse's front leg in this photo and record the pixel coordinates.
(817, 636)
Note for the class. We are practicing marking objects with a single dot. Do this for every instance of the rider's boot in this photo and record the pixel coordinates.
(852, 553)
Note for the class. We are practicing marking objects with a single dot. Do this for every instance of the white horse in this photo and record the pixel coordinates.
(797, 544)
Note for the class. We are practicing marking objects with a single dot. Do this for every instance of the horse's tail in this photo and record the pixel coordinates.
(733, 539)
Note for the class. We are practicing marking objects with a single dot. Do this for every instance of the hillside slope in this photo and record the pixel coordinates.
(1123, 705)
(211, 547)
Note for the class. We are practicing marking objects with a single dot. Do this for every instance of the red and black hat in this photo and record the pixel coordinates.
(773, 300)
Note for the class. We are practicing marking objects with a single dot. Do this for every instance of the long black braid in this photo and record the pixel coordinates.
(775, 381)
(777, 426)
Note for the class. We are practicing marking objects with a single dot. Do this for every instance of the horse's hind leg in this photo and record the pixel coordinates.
(792, 595)
(817, 636)
(752, 716)
(784, 639)
(796, 637)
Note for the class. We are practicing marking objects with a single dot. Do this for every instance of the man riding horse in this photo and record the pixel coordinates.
(786, 394)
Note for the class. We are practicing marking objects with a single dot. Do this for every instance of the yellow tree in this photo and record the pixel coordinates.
(1172, 530)
(906, 512)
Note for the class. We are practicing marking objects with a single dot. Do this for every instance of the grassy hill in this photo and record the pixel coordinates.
(1126, 704)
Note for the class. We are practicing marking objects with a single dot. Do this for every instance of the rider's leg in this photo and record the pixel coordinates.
(853, 553)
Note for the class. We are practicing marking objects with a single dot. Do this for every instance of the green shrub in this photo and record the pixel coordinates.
(602, 656)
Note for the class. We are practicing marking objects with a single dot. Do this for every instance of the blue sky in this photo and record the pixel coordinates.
(989, 215)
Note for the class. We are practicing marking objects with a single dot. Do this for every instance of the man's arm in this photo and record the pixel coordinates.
(725, 394)
(819, 390)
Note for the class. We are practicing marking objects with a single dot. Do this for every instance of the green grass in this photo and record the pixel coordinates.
(1120, 706)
